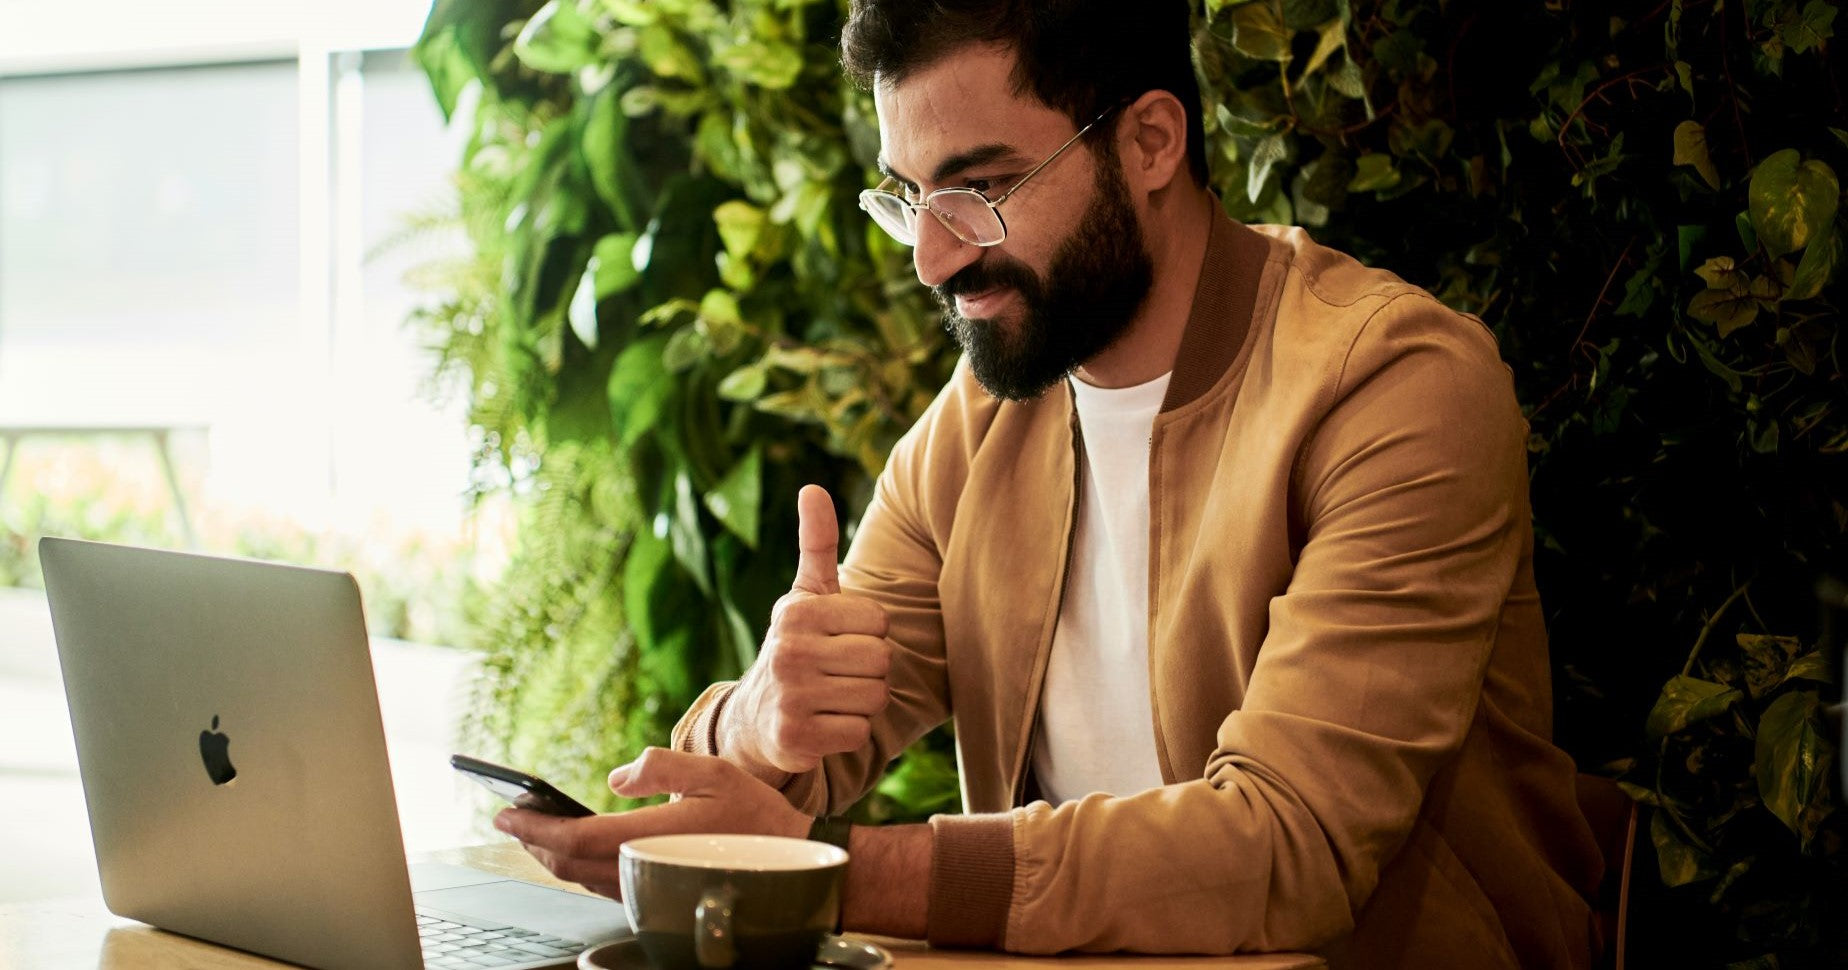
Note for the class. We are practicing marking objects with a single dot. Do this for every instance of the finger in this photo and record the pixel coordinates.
(861, 696)
(835, 733)
(663, 770)
(819, 536)
(855, 655)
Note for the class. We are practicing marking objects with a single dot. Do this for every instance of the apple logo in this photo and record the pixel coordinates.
(214, 747)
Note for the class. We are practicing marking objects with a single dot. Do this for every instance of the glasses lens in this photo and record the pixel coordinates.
(892, 215)
(967, 213)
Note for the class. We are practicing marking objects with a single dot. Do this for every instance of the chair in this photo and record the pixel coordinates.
(1612, 815)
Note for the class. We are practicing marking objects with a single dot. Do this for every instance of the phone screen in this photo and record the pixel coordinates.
(519, 788)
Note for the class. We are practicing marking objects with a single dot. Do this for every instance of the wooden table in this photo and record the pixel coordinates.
(77, 934)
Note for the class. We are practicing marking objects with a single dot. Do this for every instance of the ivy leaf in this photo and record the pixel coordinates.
(1686, 701)
(1305, 14)
(1214, 6)
(738, 497)
(1721, 273)
(1820, 260)
(1727, 310)
(1793, 763)
(558, 39)
(1680, 863)
(1814, 26)
(1270, 151)
(1373, 172)
(1811, 666)
(1258, 32)
(1792, 200)
(1691, 149)
(686, 535)
(612, 264)
(1332, 36)
(747, 383)
(638, 395)
(740, 224)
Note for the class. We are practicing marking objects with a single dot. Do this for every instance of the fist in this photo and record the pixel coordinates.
(820, 678)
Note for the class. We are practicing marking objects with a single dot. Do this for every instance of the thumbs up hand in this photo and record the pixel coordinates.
(821, 675)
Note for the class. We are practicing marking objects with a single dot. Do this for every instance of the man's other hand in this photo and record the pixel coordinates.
(711, 795)
(821, 675)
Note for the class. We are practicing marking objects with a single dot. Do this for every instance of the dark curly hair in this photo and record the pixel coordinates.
(1076, 56)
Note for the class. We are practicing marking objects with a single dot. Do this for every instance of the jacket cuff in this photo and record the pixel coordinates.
(698, 730)
(971, 880)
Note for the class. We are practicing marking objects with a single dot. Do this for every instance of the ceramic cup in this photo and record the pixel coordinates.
(708, 902)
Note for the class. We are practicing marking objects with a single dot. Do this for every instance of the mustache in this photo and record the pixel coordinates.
(992, 271)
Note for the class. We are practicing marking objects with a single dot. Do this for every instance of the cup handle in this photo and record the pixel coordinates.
(713, 946)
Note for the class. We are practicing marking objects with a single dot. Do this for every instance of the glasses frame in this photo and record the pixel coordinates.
(881, 192)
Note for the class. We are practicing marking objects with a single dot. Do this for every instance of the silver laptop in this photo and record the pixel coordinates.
(233, 762)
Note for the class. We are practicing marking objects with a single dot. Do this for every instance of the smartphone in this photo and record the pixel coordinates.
(520, 788)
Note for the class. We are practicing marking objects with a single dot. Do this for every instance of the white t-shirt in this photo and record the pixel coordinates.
(1096, 725)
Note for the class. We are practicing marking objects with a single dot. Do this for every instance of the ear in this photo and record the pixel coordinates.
(1152, 141)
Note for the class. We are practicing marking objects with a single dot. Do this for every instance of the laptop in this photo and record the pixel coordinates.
(233, 763)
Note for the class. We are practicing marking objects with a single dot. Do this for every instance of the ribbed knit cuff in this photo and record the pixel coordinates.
(971, 880)
(699, 733)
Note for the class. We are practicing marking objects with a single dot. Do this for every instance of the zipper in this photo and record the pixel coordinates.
(1024, 761)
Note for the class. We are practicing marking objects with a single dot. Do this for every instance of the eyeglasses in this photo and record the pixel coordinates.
(969, 215)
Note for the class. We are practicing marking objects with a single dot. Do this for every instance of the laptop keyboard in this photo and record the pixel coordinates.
(452, 942)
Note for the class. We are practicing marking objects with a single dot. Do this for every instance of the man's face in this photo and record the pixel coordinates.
(1073, 271)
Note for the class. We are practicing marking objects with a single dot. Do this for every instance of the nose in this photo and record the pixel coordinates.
(938, 254)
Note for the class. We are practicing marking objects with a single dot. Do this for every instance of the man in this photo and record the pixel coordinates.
(1216, 547)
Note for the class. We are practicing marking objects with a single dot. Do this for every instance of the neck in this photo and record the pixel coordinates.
(1176, 223)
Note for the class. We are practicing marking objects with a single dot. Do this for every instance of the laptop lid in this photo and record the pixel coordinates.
(231, 752)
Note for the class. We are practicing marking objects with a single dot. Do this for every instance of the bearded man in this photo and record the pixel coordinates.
(1216, 548)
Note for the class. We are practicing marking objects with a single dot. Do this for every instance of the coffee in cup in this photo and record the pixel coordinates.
(710, 902)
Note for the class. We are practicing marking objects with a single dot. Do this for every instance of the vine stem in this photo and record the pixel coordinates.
(1712, 621)
(1603, 291)
(1598, 92)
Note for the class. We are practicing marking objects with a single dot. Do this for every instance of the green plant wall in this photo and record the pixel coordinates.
(676, 315)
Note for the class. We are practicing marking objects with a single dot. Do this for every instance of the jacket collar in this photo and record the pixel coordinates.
(1222, 307)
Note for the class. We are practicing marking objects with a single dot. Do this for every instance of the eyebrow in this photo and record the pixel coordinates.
(971, 158)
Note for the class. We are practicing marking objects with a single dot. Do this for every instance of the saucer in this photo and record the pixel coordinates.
(838, 953)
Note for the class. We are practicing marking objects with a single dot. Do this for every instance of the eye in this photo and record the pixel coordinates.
(983, 186)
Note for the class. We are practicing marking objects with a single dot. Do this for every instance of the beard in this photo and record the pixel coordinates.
(1099, 277)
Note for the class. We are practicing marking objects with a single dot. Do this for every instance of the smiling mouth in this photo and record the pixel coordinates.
(978, 306)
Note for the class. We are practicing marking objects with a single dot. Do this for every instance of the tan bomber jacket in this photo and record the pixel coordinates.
(1348, 665)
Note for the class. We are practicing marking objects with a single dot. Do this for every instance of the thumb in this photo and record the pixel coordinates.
(662, 771)
(819, 535)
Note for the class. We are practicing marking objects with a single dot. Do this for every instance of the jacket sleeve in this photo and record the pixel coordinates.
(894, 560)
(1412, 491)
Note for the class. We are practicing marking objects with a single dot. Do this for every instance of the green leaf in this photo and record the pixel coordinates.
(1727, 310)
(1258, 32)
(606, 157)
(686, 535)
(740, 224)
(1691, 149)
(1767, 659)
(1686, 701)
(1811, 666)
(683, 350)
(1374, 172)
(643, 575)
(744, 384)
(738, 497)
(1721, 273)
(1270, 151)
(558, 39)
(666, 55)
(1792, 762)
(1811, 29)
(1820, 260)
(1792, 200)
(638, 392)
(1331, 37)
(1305, 14)
(613, 264)
(1679, 862)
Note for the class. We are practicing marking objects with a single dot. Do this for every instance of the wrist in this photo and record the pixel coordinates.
(734, 741)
